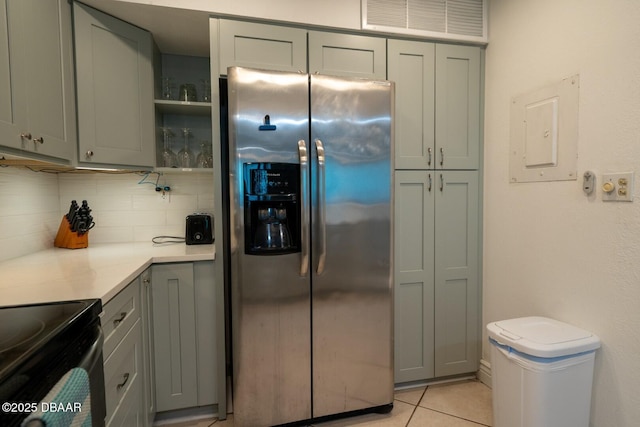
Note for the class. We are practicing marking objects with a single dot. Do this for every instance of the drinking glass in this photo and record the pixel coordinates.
(185, 156)
(187, 93)
(169, 158)
(205, 157)
(206, 90)
(166, 87)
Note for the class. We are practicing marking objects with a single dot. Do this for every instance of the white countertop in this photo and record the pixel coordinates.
(99, 271)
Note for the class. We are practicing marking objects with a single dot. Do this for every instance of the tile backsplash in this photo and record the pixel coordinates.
(29, 211)
(125, 207)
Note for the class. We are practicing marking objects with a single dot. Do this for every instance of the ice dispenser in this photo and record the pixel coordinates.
(272, 213)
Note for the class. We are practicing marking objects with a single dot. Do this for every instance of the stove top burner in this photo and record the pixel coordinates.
(25, 328)
(12, 336)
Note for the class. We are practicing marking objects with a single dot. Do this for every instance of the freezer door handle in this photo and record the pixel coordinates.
(304, 208)
(322, 207)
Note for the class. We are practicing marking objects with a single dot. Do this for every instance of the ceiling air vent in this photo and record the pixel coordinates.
(463, 20)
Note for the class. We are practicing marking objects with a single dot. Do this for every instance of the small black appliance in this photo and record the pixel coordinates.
(199, 230)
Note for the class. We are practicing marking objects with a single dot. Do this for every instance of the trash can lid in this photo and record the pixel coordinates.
(542, 337)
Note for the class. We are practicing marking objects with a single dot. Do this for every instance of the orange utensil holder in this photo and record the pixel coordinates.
(70, 239)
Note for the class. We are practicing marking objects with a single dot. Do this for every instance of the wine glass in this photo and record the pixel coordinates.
(169, 158)
(205, 157)
(185, 156)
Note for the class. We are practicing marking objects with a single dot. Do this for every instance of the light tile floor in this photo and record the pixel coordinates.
(459, 404)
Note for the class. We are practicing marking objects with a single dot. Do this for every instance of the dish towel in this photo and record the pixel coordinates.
(67, 404)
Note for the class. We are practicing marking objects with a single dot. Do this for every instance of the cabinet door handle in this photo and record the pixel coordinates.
(429, 161)
(125, 378)
(429, 184)
(120, 319)
(441, 182)
(25, 135)
(89, 153)
(39, 139)
(441, 156)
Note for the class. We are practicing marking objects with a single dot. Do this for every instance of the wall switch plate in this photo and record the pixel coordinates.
(617, 187)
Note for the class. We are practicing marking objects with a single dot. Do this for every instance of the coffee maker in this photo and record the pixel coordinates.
(272, 211)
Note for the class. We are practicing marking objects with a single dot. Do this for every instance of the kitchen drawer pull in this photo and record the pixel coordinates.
(25, 135)
(120, 319)
(39, 139)
(125, 377)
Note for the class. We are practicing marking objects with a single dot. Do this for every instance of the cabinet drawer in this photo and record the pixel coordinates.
(122, 375)
(119, 315)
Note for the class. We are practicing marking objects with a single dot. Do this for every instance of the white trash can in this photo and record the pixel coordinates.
(541, 373)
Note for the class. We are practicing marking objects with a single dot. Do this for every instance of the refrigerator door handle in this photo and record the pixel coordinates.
(322, 207)
(304, 207)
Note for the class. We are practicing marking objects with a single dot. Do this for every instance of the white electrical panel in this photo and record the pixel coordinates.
(544, 133)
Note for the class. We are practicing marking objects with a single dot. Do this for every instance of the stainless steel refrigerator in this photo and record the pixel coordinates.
(311, 202)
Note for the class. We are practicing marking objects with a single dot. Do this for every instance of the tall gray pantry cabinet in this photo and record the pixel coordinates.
(437, 313)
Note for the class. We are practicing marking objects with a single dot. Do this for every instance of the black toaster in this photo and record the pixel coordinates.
(199, 230)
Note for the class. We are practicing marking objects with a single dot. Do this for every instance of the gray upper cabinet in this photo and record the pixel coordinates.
(114, 68)
(412, 68)
(262, 46)
(437, 105)
(457, 111)
(37, 103)
(347, 55)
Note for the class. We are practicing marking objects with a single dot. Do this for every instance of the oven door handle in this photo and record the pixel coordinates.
(93, 355)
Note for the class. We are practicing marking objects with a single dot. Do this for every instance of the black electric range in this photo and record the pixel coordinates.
(39, 343)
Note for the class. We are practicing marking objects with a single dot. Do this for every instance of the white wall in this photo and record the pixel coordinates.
(549, 249)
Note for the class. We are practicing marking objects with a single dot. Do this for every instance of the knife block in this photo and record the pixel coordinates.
(69, 239)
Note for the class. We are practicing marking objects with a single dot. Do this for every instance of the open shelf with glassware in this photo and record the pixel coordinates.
(183, 113)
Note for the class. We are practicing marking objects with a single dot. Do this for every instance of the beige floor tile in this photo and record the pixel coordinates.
(224, 423)
(412, 395)
(194, 423)
(424, 417)
(399, 417)
(470, 400)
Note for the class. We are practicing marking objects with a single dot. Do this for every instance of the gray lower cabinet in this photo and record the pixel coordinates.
(37, 98)
(437, 104)
(149, 395)
(184, 335)
(123, 358)
(114, 68)
(436, 274)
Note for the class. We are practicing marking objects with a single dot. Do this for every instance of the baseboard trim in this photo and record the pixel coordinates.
(484, 373)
